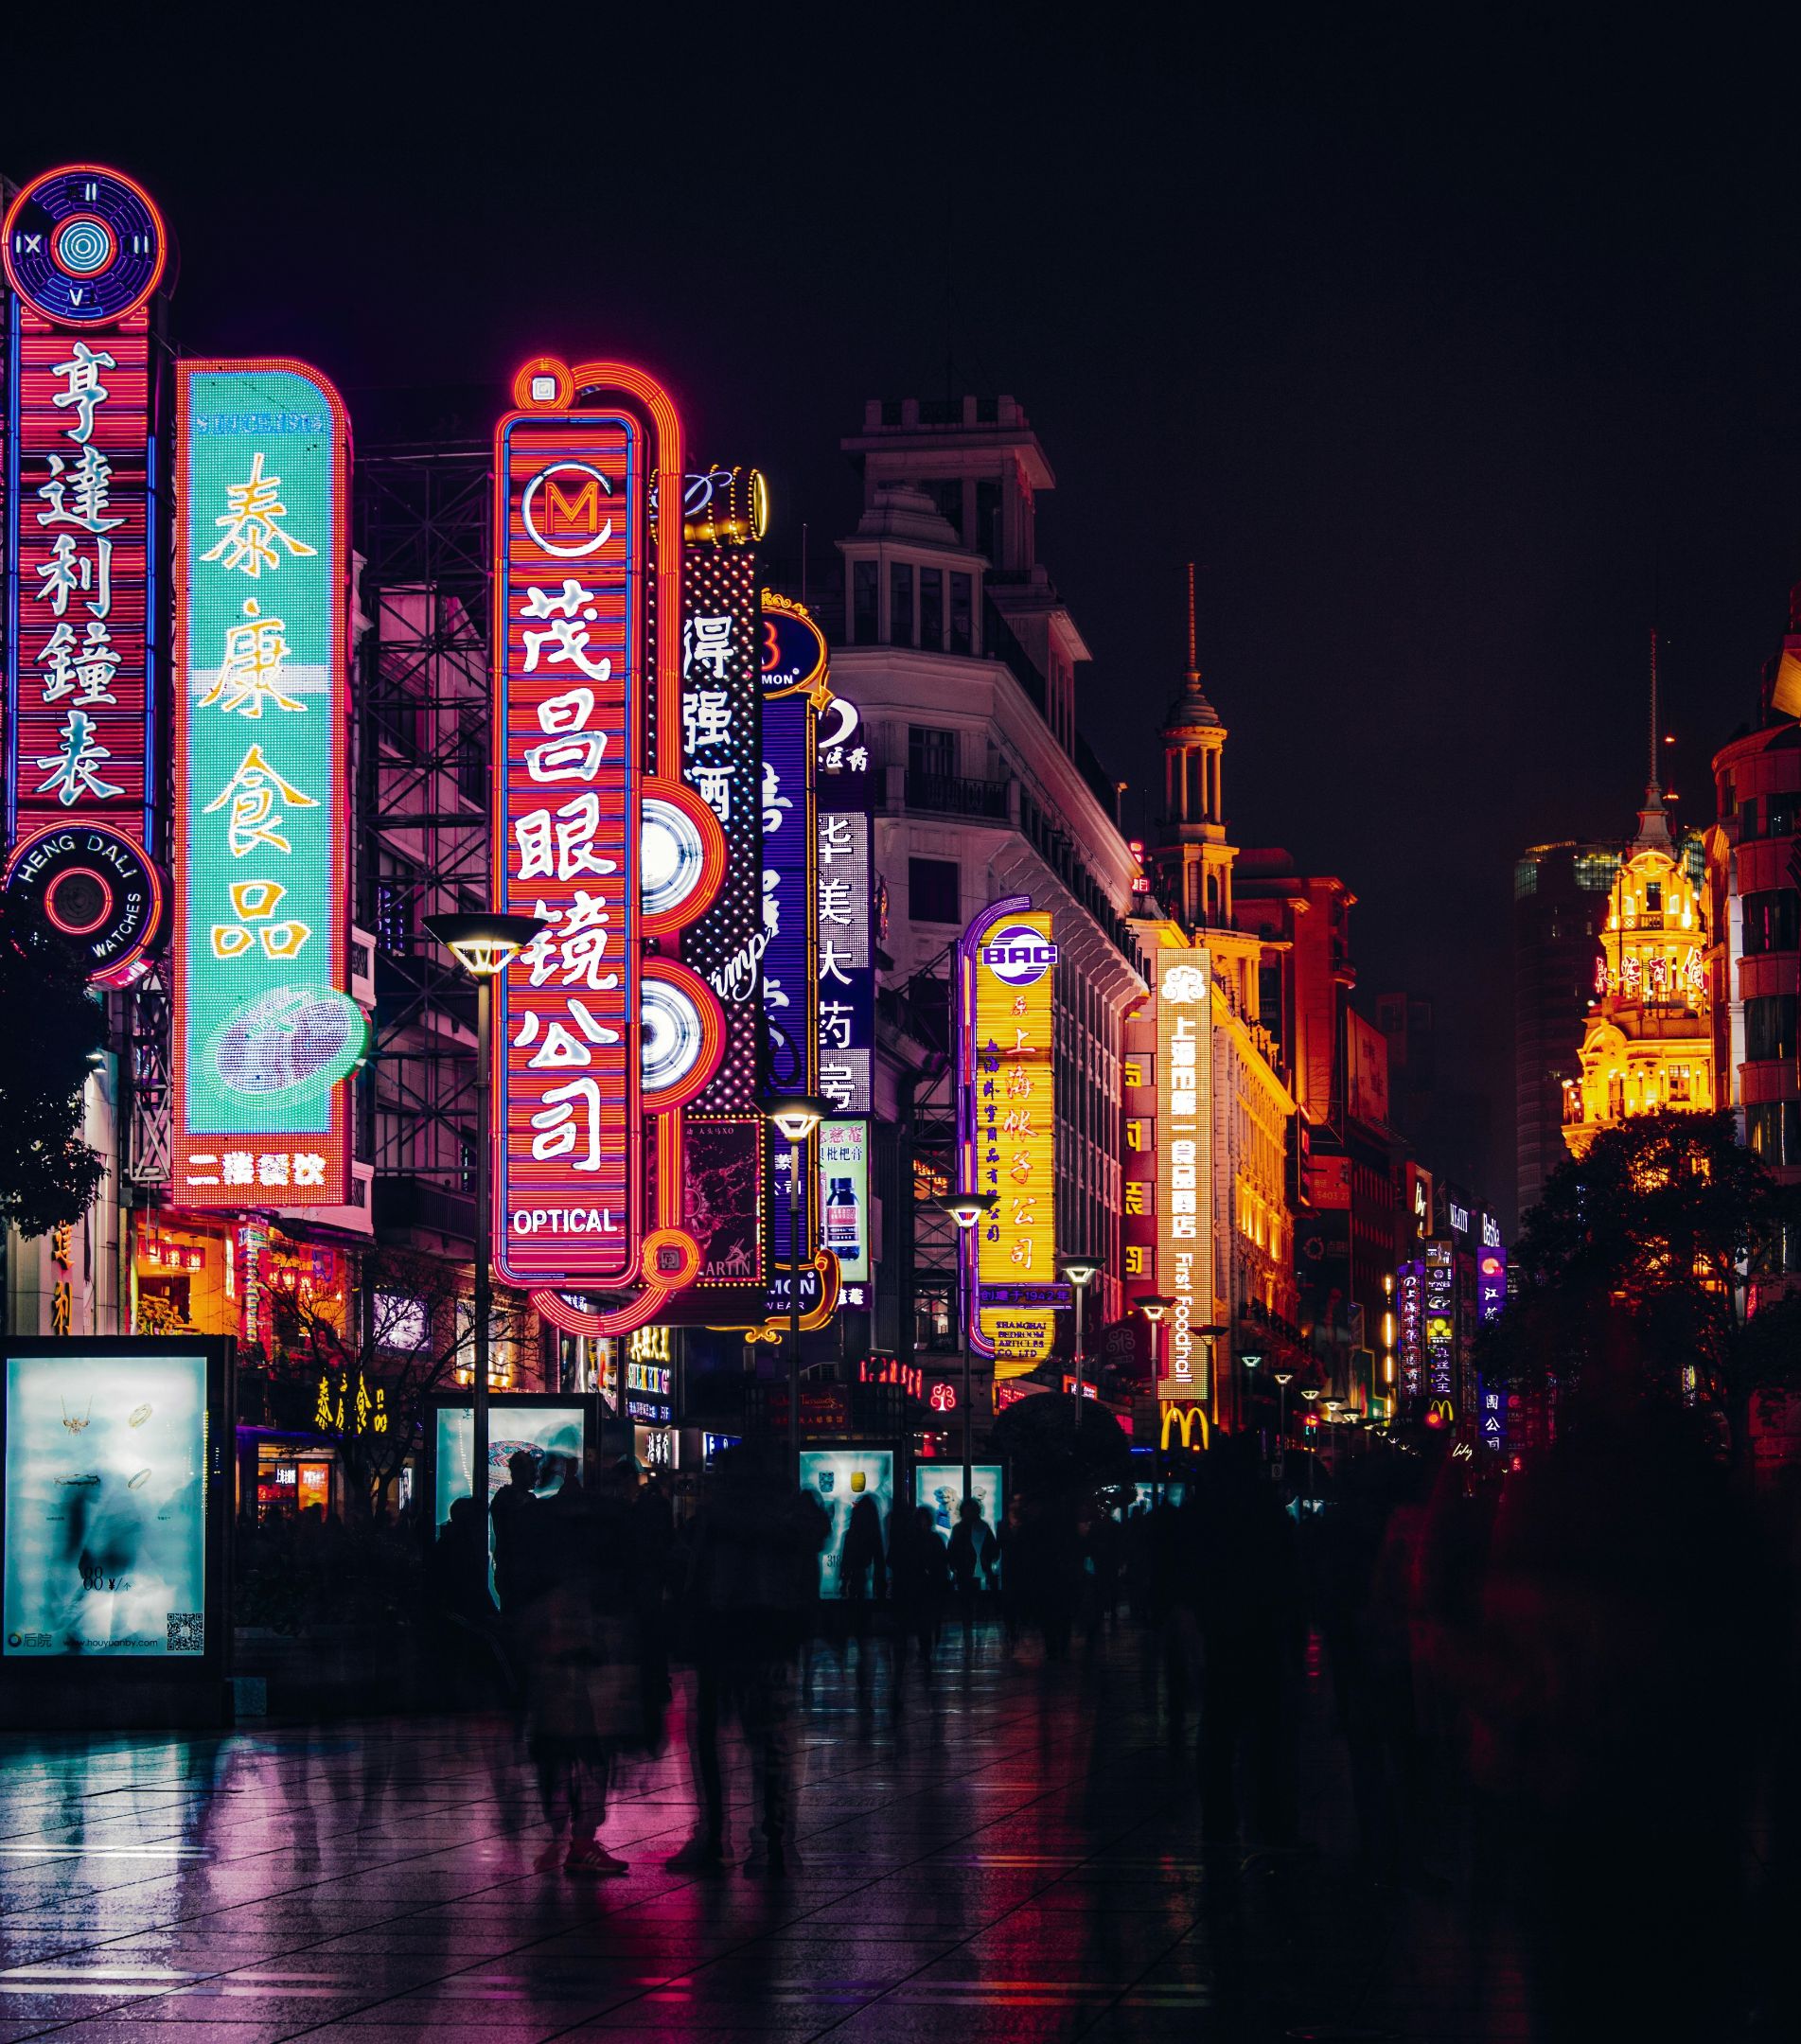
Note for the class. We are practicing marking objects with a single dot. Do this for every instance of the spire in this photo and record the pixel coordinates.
(1653, 825)
(1191, 711)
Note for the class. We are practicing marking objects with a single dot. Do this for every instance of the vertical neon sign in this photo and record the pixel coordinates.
(1185, 1167)
(84, 250)
(265, 1030)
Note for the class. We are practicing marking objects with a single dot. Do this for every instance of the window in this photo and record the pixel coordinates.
(864, 629)
(1773, 1131)
(931, 608)
(1770, 1026)
(1594, 872)
(930, 751)
(948, 494)
(471, 769)
(1771, 921)
(934, 890)
(1653, 897)
(1525, 878)
(394, 917)
(900, 602)
(1748, 818)
(1782, 815)
(988, 520)
(963, 632)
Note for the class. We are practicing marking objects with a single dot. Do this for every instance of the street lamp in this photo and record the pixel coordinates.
(485, 945)
(795, 1116)
(1310, 1392)
(966, 1208)
(1081, 1272)
(1154, 1308)
(1283, 1378)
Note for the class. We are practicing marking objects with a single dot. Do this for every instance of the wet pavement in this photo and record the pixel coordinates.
(1015, 1856)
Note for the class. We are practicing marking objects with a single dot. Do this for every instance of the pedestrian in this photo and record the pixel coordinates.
(919, 1576)
(753, 1591)
(513, 1501)
(862, 1579)
(974, 1555)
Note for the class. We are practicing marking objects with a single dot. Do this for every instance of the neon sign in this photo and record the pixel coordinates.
(846, 967)
(1185, 1168)
(84, 250)
(265, 1030)
(1007, 1124)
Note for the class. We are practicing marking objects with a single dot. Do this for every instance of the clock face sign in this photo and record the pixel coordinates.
(84, 247)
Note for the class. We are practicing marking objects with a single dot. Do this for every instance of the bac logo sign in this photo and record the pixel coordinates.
(1018, 956)
(562, 509)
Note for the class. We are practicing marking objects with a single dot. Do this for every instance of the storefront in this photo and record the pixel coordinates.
(286, 1474)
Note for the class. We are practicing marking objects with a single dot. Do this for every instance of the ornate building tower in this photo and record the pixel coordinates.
(1193, 857)
(1649, 1040)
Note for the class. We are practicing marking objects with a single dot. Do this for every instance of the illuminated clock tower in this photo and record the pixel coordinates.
(1649, 1042)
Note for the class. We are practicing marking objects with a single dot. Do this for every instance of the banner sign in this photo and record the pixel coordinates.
(570, 651)
(265, 1030)
(843, 1192)
(84, 250)
(1439, 1313)
(789, 969)
(1007, 1123)
(1185, 1168)
(846, 911)
(1410, 1291)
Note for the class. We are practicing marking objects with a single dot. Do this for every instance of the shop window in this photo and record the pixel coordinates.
(1770, 1027)
(934, 890)
(1772, 921)
(865, 627)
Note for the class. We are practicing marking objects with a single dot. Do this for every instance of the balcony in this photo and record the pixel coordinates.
(951, 795)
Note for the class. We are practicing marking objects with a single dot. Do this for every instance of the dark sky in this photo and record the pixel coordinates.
(1442, 339)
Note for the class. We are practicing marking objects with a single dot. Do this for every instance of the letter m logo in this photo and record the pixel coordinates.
(571, 513)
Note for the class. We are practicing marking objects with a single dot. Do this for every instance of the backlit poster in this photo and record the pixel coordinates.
(842, 1479)
(106, 1504)
(265, 1030)
(555, 1433)
(1185, 1170)
(939, 1487)
(1007, 1127)
(844, 1216)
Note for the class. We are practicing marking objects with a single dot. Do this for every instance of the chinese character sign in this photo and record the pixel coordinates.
(568, 651)
(1185, 1170)
(1439, 1315)
(1006, 1029)
(846, 964)
(1491, 1283)
(1410, 1292)
(83, 250)
(791, 925)
(265, 1029)
(844, 1191)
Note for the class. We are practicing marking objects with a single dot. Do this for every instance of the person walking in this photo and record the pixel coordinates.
(919, 1575)
(513, 1501)
(974, 1555)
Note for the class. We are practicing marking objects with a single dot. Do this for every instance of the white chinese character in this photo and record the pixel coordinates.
(240, 1168)
(74, 769)
(556, 1122)
(272, 1168)
(86, 390)
(251, 669)
(568, 712)
(252, 524)
(88, 668)
(309, 1168)
(62, 574)
(567, 759)
(583, 940)
(859, 759)
(199, 1177)
(774, 801)
(567, 638)
(772, 904)
(835, 900)
(832, 965)
(713, 786)
(252, 792)
(834, 839)
(838, 1085)
(835, 1025)
(561, 850)
(1183, 983)
(87, 486)
(561, 1046)
(773, 996)
(706, 718)
(707, 642)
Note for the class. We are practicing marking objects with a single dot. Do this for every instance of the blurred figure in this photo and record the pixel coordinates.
(862, 1577)
(919, 1575)
(974, 1556)
(513, 1501)
(465, 1613)
(753, 1588)
(1238, 1561)
(1625, 1690)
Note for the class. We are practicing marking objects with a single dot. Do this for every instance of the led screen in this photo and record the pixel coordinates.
(106, 1506)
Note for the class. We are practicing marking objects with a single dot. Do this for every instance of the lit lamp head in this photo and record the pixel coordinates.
(966, 1208)
(1310, 1392)
(795, 1114)
(1251, 1360)
(1155, 1307)
(483, 945)
(1283, 1377)
(1081, 1271)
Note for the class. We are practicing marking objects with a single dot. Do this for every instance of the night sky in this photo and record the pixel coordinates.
(1448, 342)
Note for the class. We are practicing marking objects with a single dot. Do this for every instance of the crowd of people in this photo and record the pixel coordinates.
(1575, 1668)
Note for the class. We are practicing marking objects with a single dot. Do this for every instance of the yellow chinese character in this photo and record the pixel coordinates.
(252, 524)
(252, 792)
(1135, 1136)
(1134, 1196)
(1134, 1260)
(251, 667)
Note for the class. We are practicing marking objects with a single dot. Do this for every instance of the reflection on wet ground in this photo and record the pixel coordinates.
(1016, 1854)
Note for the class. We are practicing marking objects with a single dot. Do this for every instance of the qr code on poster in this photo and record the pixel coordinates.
(187, 1631)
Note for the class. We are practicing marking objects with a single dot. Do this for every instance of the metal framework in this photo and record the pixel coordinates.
(423, 525)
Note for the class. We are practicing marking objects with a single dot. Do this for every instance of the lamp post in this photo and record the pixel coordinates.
(485, 945)
(1154, 1308)
(795, 1116)
(1310, 1392)
(1283, 1378)
(1081, 1272)
(966, 1208)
